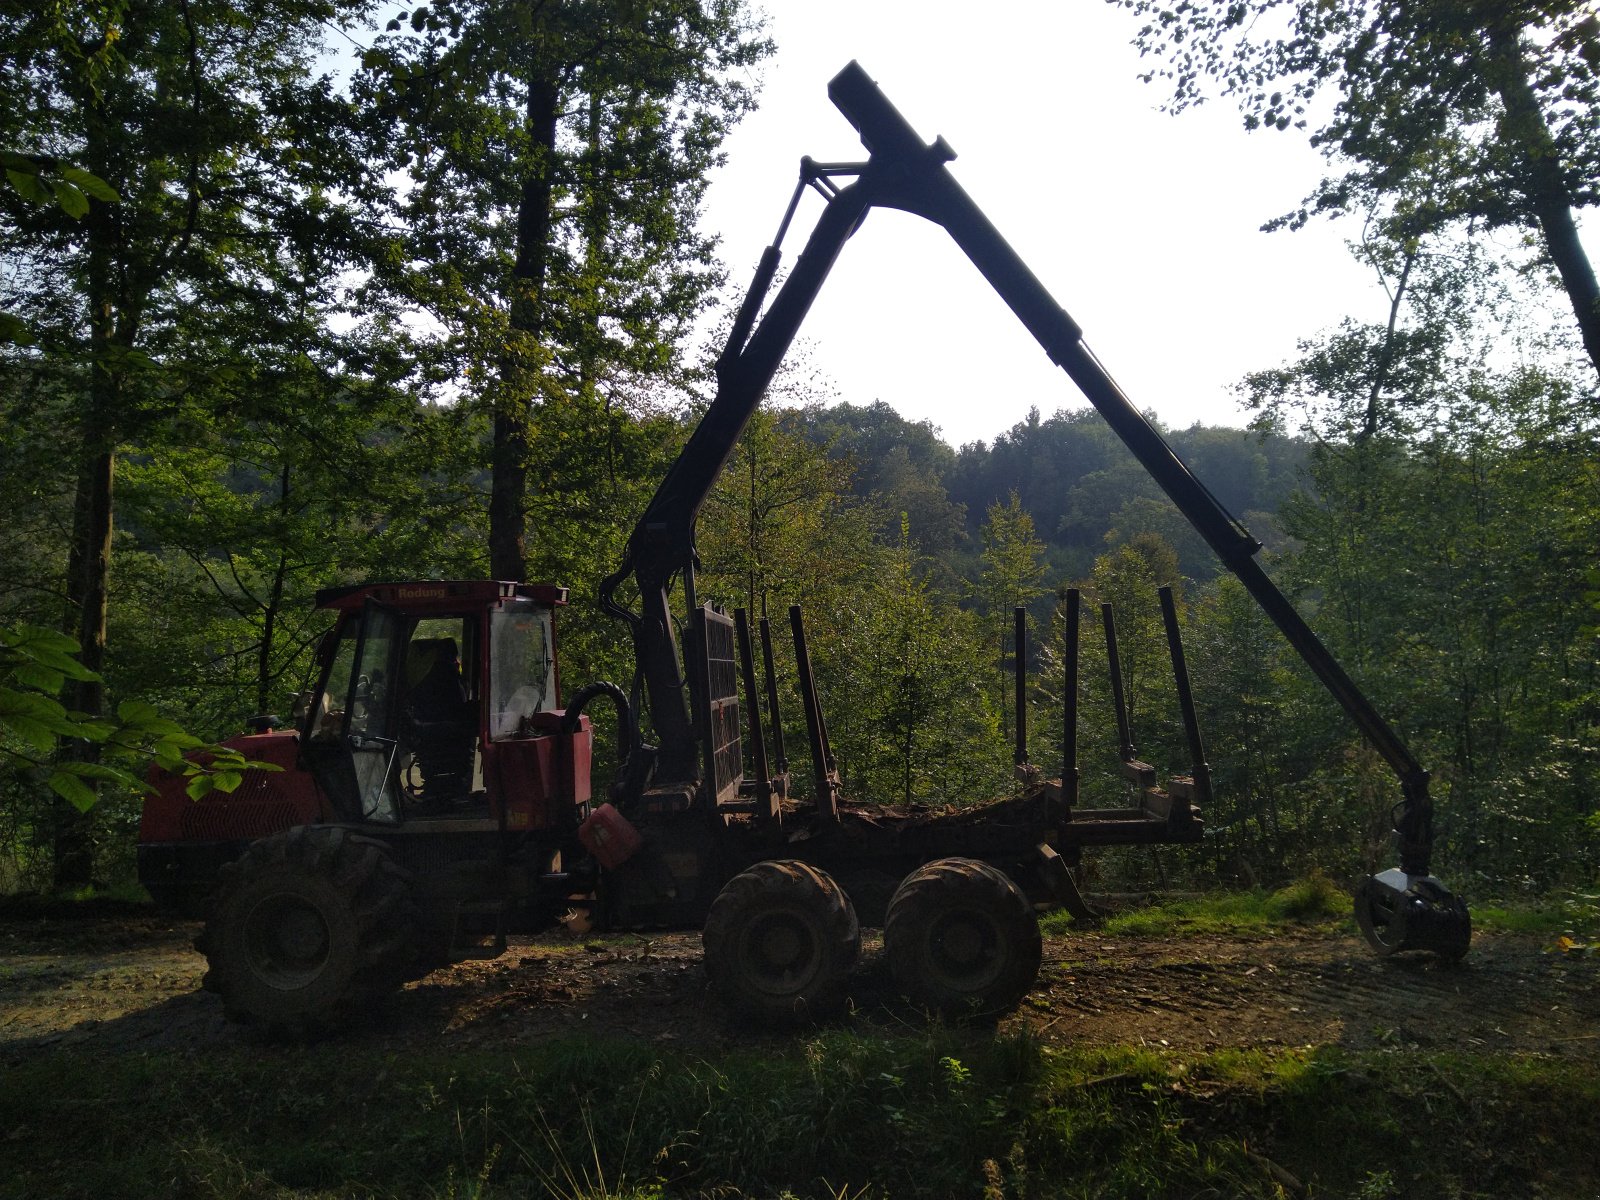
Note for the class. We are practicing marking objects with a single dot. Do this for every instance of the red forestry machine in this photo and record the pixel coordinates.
(435, 792)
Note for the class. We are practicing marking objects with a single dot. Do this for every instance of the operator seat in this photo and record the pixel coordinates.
(441, 729)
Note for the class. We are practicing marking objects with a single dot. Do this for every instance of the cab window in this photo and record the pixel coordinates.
(523, 667)
(328, 706)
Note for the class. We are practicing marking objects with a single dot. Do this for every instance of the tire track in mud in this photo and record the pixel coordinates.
(1509, 994)
(134, 986)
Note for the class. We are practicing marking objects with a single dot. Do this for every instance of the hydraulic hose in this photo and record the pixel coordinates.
(637, 758)
(626, 725)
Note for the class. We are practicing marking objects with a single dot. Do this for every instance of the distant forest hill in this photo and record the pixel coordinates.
(1071, 473)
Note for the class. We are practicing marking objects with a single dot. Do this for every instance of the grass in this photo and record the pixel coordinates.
(1569, 921)
(838, 1114)
(87, 902)
(1312, 900)
(845, 1114)
(1573, 915)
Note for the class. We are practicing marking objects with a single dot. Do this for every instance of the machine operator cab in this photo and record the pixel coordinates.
(438, 701)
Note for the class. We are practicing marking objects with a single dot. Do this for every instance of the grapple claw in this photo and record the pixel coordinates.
(1399, 912)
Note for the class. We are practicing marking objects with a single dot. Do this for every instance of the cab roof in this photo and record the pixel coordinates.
(441, 595)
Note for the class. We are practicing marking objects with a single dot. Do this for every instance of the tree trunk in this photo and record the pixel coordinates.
(521, 366)
(1524, 129)
(89, 557)
(92, 527)
(271, 609)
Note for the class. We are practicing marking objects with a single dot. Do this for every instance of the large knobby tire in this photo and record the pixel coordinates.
(309, 930)
(962, 939)
(780, 940)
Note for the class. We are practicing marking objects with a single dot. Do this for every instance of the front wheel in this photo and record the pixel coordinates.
(779, 942)
(962, 939)
(308, 930)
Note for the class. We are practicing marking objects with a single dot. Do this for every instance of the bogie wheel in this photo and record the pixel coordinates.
(779, 942)
(308, 930)
(962, 939)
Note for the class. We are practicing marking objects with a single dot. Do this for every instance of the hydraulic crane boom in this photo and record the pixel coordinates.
(904, 172)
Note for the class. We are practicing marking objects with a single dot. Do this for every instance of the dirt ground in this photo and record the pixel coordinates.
(132, 983)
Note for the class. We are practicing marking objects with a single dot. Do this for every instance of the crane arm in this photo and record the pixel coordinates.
(906, 173)
(929, 190)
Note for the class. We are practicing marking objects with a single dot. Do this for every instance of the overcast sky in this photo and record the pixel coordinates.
(1145, 226)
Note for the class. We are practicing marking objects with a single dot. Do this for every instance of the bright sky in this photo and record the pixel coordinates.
(1145, 226)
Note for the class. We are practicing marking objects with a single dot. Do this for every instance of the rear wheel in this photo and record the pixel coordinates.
(308, 930)
(962, 939)
(779, 942)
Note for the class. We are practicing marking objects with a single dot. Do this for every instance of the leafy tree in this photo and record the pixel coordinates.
(782, 526)
(1445, 113)
(234, 527)
(1103, 500)
(557, 155)
(600, 459)
(903, 466)
(35, 663)
(1245, 694)
(1127, 579)
(1147, 515)
(1012, 577)
(209, 124)
(1042, 460)
(909, 715)
(1078, 482)
(49, 182)
(1449, 524)
(1446, 570)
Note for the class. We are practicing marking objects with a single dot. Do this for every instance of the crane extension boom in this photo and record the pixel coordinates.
(1404, 909)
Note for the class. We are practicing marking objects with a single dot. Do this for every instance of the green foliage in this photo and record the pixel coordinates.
(1012, 571)
(34, 665)
(1311, 900)
(1126, 579)
(557, 157)
(1077, 482)
(232, 181)
(910, 712)
(1570, 918)
(904, 469)
(1010, 577)
(342, 334)
(1445, 115)
(49, 182)
(783, 525)
(1442, 567)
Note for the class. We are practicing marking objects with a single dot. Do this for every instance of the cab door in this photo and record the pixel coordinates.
(371, 715)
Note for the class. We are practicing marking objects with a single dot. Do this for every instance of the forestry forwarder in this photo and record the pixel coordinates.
(436, 793)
